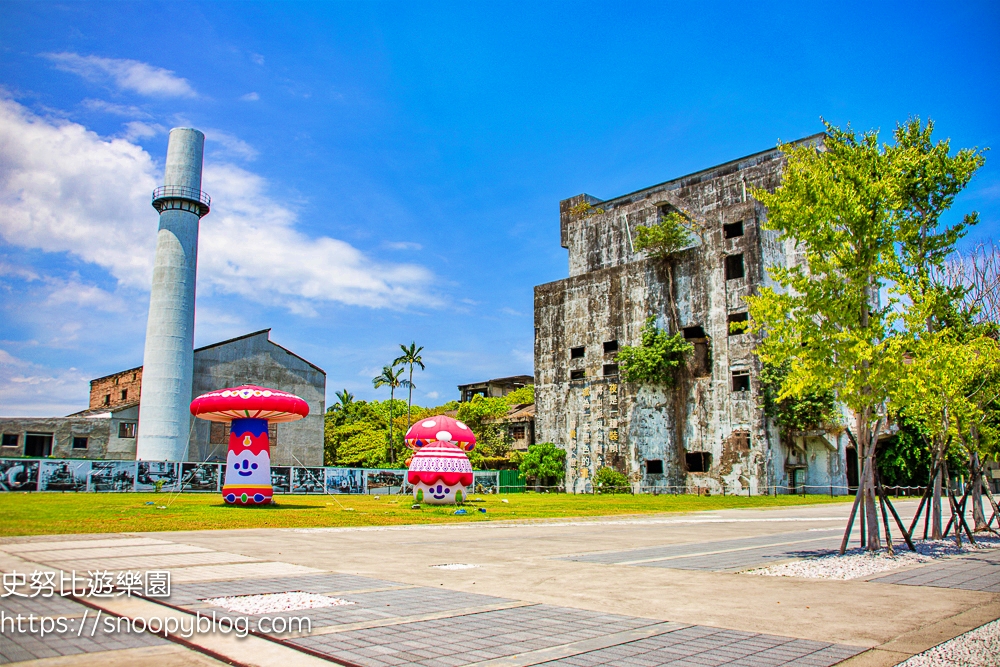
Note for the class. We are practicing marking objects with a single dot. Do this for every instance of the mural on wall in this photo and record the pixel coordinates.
(345, 480)
(308, 480)
(112, 476)
(281, 479)
(63, 475)
(200, 476)
(18, 475)
(151, 474)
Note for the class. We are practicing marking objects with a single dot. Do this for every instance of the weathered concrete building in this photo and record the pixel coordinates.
(493, 388)
(108, 428)
(708, 431)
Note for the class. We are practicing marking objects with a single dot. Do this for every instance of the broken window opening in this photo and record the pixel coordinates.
(124, 394)
(11, 439)
(126, 430)
(577, 352)
(698, 461)
(517, 432)
(694, 332)
(610, 346)
(734, 267)
(732, 230)
(702, 359)
(610, 369)
(737, 318)
(577, 375)
(654, 467)
(79, 443)
(107, 399)
(38, 444)
(741, 380)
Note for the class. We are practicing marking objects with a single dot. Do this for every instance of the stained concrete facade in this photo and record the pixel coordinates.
(709, 430)
(250, 359)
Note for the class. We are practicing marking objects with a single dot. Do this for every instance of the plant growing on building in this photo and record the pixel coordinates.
(609, 480)
(545, 463)
(662, 241)
(410, 357)
(656, 359)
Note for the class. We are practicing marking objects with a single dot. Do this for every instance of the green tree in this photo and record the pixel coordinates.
(834, 324)
(410, 357)
(656, 359)
(809, 410)
(544, 462)
(609, 480)
(826, 325)
(390, 378)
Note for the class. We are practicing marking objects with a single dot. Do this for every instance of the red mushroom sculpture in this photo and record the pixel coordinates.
(248, 462)
(440, 471)
(440, 428)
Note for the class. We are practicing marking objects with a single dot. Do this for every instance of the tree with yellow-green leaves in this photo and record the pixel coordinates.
(866, 218)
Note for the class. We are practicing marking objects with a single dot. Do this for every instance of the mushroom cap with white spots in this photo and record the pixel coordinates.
(440, 428)
(249, 402)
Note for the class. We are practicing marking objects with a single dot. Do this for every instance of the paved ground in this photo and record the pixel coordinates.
(975, 572)
(647, 591)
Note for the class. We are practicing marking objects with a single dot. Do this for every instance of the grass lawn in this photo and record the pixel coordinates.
(63, 513)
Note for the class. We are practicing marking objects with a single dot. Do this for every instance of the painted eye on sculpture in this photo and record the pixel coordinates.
(236, 465)
(253, 465)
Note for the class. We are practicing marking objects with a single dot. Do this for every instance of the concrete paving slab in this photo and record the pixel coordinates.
(50, 545)
(169, 655)
(157, 562)
(64, 555)
(261, 569)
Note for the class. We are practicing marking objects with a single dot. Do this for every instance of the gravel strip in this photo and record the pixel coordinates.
(857, 563)
(976, 647)
(275, 602)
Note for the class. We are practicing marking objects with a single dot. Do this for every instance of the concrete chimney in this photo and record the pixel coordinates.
(168, 361)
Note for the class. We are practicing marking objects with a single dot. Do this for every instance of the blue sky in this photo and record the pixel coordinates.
(384, 172)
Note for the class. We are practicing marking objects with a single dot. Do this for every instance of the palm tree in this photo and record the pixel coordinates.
(345, 397)
(390, 378)
(410, 357)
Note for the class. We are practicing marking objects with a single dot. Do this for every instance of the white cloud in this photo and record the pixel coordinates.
(250, 97)
(102, 106)
(404, 245)
(30, 390)
(510, 311)
(131, 75)
(432, 394)
(257, 58)
(65, 189)
(231, 145)
(136, 129)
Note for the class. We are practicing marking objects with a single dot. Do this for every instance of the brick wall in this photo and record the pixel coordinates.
(113, 391)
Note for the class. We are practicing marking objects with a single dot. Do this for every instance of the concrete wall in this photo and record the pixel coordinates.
(63, 430)
(608, 296)
(256, 360)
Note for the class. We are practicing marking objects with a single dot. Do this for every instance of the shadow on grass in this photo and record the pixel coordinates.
(265, 508)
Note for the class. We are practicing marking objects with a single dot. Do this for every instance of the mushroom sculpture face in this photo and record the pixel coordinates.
(440, 471)
(248, 462)
(440, 474)
(440, 428)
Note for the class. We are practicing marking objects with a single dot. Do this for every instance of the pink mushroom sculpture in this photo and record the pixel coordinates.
(440, 471)
(248, 461)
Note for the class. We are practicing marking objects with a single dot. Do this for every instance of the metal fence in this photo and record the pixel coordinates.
(87, 475)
